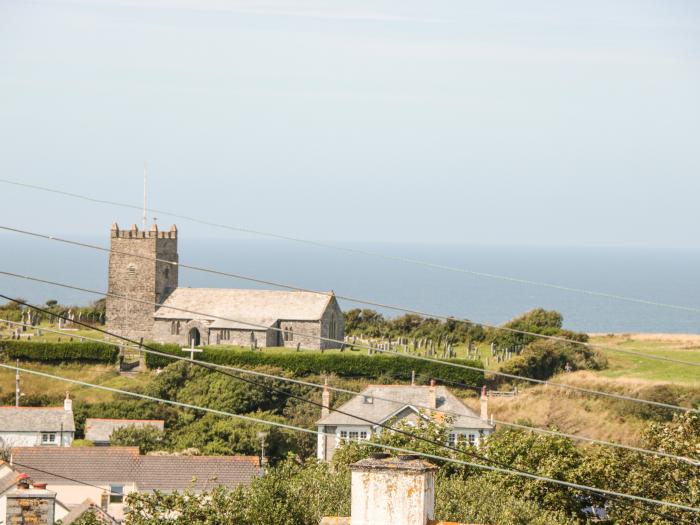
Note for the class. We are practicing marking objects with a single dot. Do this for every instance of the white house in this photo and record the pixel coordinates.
(37, 426)
(407, 403)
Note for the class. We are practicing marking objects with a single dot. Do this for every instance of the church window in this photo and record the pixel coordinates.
(167, 272)
(131, 271)
(225, 335)
(175, 328)
(289, 333)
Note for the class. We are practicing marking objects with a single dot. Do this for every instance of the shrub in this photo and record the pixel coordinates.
(52, 352)
(346, 364)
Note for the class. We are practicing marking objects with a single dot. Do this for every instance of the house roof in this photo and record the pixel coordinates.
(88, 506)
(36, 419)
(8, 479)
(99, 430)
(255, 306)
(405, 396)
(100, 465)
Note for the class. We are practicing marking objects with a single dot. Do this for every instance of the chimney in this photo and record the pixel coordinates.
(388, 491)
(432, 395)
(325, 399)
(68, 403)
(26, 505)
(484, 404)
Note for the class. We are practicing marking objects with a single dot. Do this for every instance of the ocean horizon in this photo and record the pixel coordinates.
(656, 275)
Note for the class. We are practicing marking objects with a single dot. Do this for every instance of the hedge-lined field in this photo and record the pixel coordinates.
(344, 364)
(53, 352)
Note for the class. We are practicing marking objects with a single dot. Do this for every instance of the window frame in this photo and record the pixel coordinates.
(116, 493)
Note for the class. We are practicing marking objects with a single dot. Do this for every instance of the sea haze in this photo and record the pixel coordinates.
(662, 276)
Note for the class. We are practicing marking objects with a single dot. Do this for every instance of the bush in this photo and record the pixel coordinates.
(344, 364)
(52, 352)
(544, 358)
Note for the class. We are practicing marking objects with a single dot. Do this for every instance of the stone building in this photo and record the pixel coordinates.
(143, 266)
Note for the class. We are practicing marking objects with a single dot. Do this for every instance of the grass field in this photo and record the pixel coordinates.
(685, 348)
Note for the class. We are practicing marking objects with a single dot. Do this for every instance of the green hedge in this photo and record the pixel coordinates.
(53, 352)
(348, 364)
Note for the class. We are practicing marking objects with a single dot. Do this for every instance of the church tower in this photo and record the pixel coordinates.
(133, 273)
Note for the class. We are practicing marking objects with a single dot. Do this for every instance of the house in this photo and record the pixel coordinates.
(390, 490)
(408, 404)
(37, 426)
(88, 507)
(109, 474)
(143, 267)
(99, 430)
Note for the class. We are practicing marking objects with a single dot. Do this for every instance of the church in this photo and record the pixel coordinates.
(143, 266)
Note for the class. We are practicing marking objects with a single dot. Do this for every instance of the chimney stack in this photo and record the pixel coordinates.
(484, 404)
(68, 403)
(26, 505)
(432, 395)
(325, 399)
(389, 491)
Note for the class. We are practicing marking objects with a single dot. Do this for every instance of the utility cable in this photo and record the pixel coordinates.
(391, 352)
(354, 299)
(149, 350)
(502, 470)
(358, 251)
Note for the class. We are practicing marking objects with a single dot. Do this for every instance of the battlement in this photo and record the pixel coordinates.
(134, 233)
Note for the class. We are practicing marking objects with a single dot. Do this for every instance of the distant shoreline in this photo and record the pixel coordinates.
(651, 336)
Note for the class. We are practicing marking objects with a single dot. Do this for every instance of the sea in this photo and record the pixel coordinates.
(671, 277)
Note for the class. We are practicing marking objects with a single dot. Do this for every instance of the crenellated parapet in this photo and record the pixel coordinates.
(135, 233)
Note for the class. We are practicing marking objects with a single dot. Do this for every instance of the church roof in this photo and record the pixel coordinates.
(369, 407)
(260, 307)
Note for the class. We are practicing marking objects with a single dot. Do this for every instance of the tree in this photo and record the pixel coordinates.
(147, 438)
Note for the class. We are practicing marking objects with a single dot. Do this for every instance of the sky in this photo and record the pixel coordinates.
(505, 122)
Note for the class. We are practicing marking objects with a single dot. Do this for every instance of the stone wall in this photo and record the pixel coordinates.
(133, 273)
(332, 314)
(30, 506)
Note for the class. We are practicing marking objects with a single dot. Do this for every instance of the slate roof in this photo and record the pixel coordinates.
(100, 465)
(88, 506)
(36, 419)
(99, 430)
(406, 396)
(263, 307)
(9, 479)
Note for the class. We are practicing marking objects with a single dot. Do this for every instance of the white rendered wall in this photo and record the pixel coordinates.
(392, 497)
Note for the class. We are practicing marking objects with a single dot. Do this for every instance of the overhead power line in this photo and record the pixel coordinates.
(539, 430)
(509, 471)
(356, 300)
(358, 251)
(320, 338)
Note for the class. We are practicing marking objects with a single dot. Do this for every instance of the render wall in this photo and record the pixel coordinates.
(32, 439)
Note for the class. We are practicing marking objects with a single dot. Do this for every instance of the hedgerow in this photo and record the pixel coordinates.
(54, 352)
(344, 364)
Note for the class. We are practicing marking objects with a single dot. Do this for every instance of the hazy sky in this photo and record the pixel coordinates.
(538, 122)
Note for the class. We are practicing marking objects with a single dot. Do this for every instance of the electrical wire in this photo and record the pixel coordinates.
(392, 352)
(510, 471)
(358, 251)
(353, 299)
(148, 350)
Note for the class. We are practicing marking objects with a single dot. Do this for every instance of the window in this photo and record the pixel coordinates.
(167, 272)
(363, 435)
(131, 271)
(48, 438)
(452, 439)
(289, 333)
(354, 435)
(116, 493)
(343, 435)
(225, 335)
(472, 439)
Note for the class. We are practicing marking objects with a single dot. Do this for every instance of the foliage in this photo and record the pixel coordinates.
(82, 443)
(654, 477)
(87, 518)
(54, 352)
(370, 323)
(147, 438)
(538, 321)
(225, 436)
(11, 311)
(343, 364)
(128, 408)
(541, 359)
